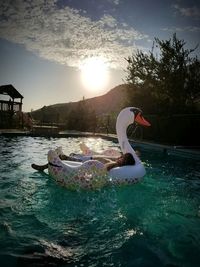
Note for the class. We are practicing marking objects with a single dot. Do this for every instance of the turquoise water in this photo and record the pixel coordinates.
(153, 223)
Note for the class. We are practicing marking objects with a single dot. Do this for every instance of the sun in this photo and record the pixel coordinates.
(94, 74)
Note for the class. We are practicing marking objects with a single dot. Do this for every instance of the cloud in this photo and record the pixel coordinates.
(183, 29)
(115, 2)
(63, 35)
(188, 11)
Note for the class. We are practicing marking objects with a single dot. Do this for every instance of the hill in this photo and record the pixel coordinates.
(111, 102)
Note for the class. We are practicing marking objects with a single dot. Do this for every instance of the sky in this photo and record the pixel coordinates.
(59, 51)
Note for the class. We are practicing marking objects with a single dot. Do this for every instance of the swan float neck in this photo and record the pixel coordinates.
(126, 117)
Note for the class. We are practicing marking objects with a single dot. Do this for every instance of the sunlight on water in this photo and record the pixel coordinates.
(153, 223)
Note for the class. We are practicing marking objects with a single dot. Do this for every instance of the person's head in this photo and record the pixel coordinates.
(126, 159)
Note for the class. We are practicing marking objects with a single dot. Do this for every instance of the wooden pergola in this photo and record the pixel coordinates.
(14, 103)
(10, 104)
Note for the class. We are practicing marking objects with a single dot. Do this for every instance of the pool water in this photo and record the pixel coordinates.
(153, 223)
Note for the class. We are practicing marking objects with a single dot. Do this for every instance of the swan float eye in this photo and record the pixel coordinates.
(136, 111)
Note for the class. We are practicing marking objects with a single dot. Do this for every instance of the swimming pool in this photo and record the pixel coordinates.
(153, 223)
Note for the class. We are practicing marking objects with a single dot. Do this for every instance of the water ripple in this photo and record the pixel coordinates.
(153, 223)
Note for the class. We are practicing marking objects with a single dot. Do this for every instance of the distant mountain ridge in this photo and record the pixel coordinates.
(111, 102)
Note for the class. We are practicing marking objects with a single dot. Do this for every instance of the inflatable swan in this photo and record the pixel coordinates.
(91, 173)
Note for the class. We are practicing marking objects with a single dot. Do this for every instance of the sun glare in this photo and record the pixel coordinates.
(94, 74)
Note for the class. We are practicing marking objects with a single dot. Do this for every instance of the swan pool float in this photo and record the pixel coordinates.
(91, 174)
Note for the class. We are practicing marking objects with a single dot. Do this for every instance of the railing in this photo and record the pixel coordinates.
(7, 105)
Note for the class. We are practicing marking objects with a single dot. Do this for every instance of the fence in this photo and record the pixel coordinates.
(179, 129)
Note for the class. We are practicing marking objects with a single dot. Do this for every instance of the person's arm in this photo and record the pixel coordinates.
(104, 159)
(110, 165)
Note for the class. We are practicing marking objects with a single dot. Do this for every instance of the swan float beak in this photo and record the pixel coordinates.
(141, 120)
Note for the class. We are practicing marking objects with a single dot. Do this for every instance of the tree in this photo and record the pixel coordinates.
(167, 82)
(82, 117)
(77, 117)
(91, 120)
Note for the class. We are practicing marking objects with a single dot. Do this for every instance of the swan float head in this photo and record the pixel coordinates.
(130, 115)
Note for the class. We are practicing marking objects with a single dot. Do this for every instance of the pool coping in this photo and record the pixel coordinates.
(181, 151)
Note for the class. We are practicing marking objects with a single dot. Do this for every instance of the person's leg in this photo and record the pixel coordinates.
(65, 157)
(62, 157)
(39, 167)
